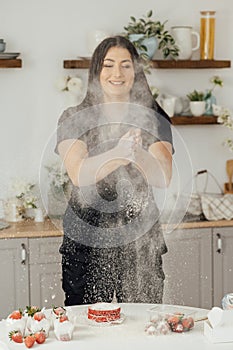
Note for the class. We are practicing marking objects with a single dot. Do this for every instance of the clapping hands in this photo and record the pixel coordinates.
(128, 144)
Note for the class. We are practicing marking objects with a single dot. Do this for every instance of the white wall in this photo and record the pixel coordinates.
(48, 31)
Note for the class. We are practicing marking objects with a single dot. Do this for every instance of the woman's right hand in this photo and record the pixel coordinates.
(126, 146)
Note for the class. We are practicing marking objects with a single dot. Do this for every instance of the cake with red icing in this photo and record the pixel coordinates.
(104, 312)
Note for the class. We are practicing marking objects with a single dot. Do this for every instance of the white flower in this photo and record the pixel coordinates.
(154, 91)
(72, 84)
(75, 85)
(24, 190)
(226, 118)
(57, 175)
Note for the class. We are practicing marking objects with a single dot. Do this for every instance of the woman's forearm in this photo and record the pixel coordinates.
(93, 169)
(156, 170)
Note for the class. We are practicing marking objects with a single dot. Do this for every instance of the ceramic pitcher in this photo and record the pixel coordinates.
(183, 36)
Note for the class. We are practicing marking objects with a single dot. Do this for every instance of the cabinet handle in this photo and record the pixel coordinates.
(23, 254)
(219, 243)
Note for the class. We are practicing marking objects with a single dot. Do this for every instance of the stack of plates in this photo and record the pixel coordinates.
(8, 55)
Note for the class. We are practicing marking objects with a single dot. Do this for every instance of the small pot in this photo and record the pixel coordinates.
(197, 108)
(151, 44)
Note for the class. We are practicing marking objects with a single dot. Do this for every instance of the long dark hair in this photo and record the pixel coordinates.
(94, 91)
(140, 92)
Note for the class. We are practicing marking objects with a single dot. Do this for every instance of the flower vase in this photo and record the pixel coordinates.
(30, 213)
(209, 105)
(13, 210)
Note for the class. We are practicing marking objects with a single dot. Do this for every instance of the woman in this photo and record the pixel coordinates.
(115, 146)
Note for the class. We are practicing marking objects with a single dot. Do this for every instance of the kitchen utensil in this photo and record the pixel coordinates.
(229, 170)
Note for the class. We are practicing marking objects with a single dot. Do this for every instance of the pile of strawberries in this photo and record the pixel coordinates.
(180, 323)
(30, 339)
(35, 313)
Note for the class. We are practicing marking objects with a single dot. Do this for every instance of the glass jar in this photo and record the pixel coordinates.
(207, 35)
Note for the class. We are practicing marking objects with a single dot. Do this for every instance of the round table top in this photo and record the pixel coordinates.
(130, 334)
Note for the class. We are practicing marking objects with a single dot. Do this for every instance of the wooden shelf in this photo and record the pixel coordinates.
(190, 120)
(161, 64)
(14, 63)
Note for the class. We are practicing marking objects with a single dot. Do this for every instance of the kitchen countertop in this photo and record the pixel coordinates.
(130, 334)
(32, 229)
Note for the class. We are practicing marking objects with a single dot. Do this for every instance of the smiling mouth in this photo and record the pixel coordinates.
(116, 82)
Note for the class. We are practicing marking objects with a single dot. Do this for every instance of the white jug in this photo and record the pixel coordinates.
(183, 36)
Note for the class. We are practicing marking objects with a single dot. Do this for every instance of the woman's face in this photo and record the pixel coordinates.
(117, 75)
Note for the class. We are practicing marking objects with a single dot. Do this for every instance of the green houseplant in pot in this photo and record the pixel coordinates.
(201, 102)
(148, 35)
(197, 102)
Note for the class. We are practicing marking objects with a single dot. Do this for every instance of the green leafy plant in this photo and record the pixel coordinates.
(196, 96)
(151, 28)
(203, 96)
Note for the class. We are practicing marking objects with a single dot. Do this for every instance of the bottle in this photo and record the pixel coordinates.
(207, 35)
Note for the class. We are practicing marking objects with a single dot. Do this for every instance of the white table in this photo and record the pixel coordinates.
(128, 335)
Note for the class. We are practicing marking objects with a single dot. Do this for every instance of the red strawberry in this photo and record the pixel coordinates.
(40, 337)
(178, 328)
(173, 320)
(38, 316)
(188, 323)
(59, 310)
(16, 315)
(16, 336)
(63, 318)
(29, 340)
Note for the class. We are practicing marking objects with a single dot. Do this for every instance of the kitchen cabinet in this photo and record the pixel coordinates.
(14, 276)
(30, 272)
(188, 268)
(45, 272)
(198, 266)
(222, 262)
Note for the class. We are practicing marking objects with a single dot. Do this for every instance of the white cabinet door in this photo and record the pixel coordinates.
(223, 263)
(45, 272)
(188, 268)
(14, 290)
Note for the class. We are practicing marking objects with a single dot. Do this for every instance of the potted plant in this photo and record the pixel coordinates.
(147, 35)
(197, 102)
(200, 101)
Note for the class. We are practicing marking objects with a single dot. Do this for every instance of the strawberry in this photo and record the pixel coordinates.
(59, 310)
(187, 323)
(173, 320)
(31, 310)
(178, 328)
(16, 336)
(38, 316)
(63, 318)
(40, 337)
(16, 315)
(29, 340)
